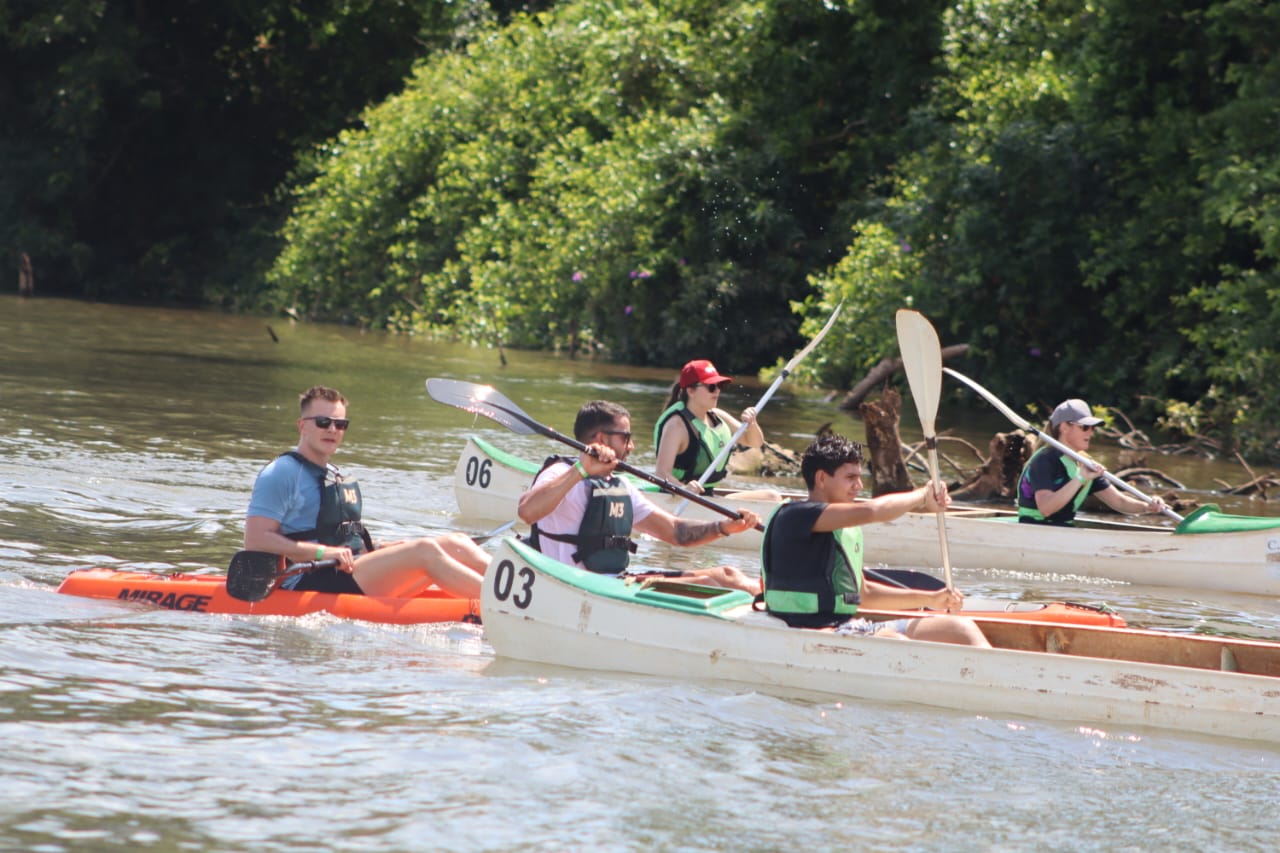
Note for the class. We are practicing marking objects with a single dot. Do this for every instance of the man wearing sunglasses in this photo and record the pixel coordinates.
(583, 513)
(304, 509)
(1053, 486)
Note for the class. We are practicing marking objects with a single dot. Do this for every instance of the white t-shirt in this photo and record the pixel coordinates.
(566, 518)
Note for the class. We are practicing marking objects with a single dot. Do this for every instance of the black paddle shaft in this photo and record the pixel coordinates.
(487, 401)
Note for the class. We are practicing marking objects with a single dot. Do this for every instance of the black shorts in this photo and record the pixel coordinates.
(325, 580)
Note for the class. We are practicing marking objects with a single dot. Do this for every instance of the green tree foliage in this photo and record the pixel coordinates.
(1093, 206)
(1083, 190)
(657, 179)
(142, 143)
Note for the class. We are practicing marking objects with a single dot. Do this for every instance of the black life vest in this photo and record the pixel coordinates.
(810, 579)
(705, 443)
(604, 536)
(338, 522)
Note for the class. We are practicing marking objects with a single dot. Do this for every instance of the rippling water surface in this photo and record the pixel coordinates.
(131, 438)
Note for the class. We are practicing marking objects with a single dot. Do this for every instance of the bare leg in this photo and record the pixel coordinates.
(725, 576)
(948, 629)
(407, 568)
(756, 495)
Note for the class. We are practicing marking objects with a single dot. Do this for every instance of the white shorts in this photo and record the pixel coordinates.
(865, 627)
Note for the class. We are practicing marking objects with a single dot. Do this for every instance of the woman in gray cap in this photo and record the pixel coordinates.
(1053, 486)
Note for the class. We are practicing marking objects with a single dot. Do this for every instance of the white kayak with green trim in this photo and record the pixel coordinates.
(1208, 550)
(536, 609)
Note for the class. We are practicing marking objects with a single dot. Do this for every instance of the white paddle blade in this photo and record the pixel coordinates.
(922, 361)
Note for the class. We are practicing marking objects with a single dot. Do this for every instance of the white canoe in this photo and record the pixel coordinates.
(536, 609)
(488, 483)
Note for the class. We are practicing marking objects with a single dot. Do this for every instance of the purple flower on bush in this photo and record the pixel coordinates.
(627, 310)
(579, 276)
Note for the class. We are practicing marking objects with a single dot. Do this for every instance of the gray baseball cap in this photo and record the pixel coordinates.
(1073, 412)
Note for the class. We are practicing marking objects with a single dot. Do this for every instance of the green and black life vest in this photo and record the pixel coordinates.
(338, 522)
(705, 443)
(1027, 510)
(603, 539)
(813, 579)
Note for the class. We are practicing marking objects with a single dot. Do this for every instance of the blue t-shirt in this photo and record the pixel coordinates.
(288, 492)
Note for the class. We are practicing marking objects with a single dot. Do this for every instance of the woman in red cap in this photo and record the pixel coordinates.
(691, 431)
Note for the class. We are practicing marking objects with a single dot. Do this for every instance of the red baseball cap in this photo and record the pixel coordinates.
(700, 372)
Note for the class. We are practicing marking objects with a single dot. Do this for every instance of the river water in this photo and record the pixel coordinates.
(131, 437)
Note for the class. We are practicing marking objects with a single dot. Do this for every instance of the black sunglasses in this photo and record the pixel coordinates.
(626, 436)
(324, 422)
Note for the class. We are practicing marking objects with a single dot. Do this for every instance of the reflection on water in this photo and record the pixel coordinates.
(132, 436)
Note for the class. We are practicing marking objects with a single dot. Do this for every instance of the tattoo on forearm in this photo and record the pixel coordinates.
(689, 532)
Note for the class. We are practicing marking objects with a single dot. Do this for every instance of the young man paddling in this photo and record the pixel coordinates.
(303, 509)
(583, 513)
(812, 555)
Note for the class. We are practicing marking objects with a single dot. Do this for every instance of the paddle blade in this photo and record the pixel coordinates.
(252, 574)
(481, 400)
(1209, 519)
(922, 361)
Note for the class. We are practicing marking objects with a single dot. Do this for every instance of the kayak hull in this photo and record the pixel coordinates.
(488, 483)
(208, 594)
(541, 611)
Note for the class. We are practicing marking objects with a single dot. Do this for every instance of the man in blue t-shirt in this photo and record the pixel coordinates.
(302, 509)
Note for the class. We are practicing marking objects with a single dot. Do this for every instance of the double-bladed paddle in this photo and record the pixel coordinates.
(922, 360)
(488, 401)
(253, 575)
(1023, 424)
(764, 399)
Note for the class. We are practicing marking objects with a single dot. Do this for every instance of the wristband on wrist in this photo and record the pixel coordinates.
(720, 528)
(319, 552)
(580, 468)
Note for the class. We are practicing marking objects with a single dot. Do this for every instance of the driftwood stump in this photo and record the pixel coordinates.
(884, 445)
(998, 477)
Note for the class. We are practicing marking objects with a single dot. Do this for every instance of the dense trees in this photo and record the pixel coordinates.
(1093, 206)
(1084, 190)
(143, 143)
(653, 178)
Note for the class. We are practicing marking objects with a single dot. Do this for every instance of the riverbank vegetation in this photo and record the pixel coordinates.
(1084, 192)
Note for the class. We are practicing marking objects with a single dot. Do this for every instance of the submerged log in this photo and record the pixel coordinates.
(883, 372)
(768, 460)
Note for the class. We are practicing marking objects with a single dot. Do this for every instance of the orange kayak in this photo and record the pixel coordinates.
(208, 594)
